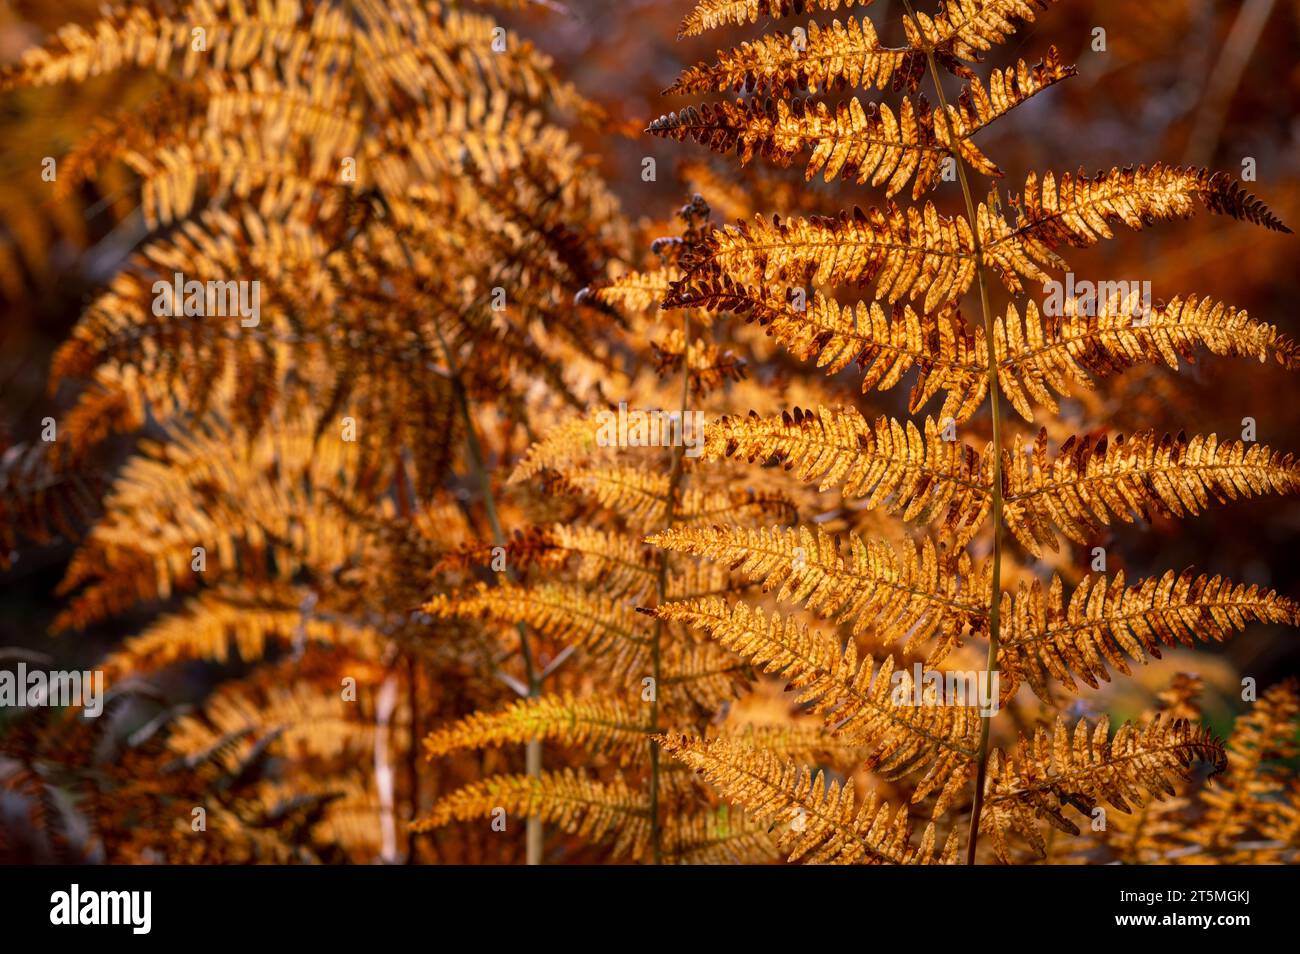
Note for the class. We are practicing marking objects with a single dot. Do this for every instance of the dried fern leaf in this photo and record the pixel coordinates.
(863, 143)
(967, 29)
(601, 724)
(895, 467)
(909, 595)
(1045, 637)
(1090, 482)
(595, 811)
(856, 699)
(1038, 355)
(1250, 794)
(712, 14)
(905, 253)
(883, 344)
(717, 836)
(1079, 210)
(590, 621)
(813, 820)
(1087, 769)
(832, 57)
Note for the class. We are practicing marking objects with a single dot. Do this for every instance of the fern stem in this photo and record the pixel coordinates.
(661, 591)
(995, 414)
(534, 833)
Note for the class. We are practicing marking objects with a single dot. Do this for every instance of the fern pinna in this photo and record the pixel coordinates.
(980, 500)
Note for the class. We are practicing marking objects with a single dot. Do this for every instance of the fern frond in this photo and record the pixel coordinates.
(865, 144)
(814, 820)
(978, 107)
(601, 724)
(909, 596)
(633, 292)
(967, 29)
(1089, 482)
(832, 57)
(1056, 769)
(561, 611)
(883, 344)
(849, 141)
(567, 443)
(889, 465)
(1079, 210)
(1247, 795)
(1044, 638)
(806, 743)
(1038, 355)
(854, 697)
(712, 14)
(236, 622)
(618, 562)
(905, 253)
(717, 836)
(596, 811)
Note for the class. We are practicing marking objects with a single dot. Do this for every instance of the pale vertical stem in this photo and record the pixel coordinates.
(661, 590)
(534, 832)
(995, 602)
(385, 705)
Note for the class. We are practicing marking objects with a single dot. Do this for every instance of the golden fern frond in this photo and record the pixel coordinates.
(1038, 355)
(908, 595)
(978, 106)
(966, 29)
(1087, 769)
(138, 37)
(711, 14)
(905, 253)
(618, 562)
(832, 57)
(883, 344)
(868, 144)
(717, 836)
(813, 820)
(1045, 638)
(1089, 482)
(854, 697)
(710, 367)
(1079, 210)
(1248, 792)
(580, 618)
(572, 441)
(309, 722)
(601, 723)
(701, 675)
(641, 496)
(864, 143)
(593, 810)
(889, 464)
(806, 743)
(633, 292)
(237, 622)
